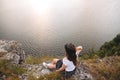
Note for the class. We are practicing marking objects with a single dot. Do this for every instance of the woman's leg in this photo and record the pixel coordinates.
(55, 60)
(52, 65)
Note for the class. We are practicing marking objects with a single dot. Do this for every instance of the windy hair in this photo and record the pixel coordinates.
(71, 53)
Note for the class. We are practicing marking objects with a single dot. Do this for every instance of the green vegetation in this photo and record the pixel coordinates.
(11, 71)
(110, 48)
(90, 54)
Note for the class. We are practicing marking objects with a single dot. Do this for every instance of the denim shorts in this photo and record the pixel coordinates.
(59, 64)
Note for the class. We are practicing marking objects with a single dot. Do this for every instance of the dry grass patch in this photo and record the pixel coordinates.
(37, 60)
(9, 70)
(107, 69)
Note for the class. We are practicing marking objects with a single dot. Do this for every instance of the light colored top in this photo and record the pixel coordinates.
(69, 64)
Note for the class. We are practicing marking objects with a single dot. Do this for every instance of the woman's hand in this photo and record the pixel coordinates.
(78, 50)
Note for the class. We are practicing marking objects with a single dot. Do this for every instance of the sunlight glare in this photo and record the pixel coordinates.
(40, 6)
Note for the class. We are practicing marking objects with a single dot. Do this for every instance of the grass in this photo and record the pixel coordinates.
(37, 60)
(51, 76)
(11, 71)
(107, 69)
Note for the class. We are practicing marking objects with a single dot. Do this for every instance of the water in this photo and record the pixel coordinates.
(44, 26)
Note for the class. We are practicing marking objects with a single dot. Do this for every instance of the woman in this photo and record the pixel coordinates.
(68, 64)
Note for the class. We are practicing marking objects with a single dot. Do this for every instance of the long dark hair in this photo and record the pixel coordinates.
(71, 53)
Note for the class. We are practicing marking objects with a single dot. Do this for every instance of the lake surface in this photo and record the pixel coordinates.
(44, 26)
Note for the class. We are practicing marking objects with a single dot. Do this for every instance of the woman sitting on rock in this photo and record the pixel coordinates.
(67, 65)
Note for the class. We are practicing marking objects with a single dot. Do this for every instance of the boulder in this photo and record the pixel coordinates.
(11, 50)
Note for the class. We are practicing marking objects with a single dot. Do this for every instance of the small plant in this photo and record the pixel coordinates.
(11, 71)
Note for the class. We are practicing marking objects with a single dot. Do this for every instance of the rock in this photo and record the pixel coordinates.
(82, 73)
(14, 58)
(24, 77)
(36, 70)
(11, 50)
(99, 60)
(2, 52)
(2, 76)
(45, 71)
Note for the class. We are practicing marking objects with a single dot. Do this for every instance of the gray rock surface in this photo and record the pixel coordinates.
(35, 70)
(82, 72)
(11, 50)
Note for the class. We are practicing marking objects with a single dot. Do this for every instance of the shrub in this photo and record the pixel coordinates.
(110, 48)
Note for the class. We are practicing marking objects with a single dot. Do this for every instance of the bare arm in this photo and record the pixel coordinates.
(61, 68)
(78, 50)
